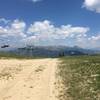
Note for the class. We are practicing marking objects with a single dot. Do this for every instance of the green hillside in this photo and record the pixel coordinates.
(81, 78)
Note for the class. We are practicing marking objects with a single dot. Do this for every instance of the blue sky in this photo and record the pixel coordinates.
(70, 22)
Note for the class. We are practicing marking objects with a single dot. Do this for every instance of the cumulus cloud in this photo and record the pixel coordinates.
(5, 21)
(46, 29)
(94, 38)
(15, 29)
(46, 33)
(93, 5)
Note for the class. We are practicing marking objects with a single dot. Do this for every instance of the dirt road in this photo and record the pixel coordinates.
(27, 79)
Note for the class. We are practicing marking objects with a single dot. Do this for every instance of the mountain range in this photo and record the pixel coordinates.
(51, 51)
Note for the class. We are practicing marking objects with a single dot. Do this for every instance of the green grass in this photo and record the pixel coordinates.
(6, 55)
(80, 77)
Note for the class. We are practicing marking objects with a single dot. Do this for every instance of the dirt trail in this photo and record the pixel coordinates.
(27, 79)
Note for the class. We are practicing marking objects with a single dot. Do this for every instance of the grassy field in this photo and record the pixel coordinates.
(6, 55)
(80, 78)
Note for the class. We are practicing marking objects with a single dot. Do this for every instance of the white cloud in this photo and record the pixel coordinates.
(4, 20)
(71, 31)
(19, 25)
(93, 5)
(94, 38)
(34, 1)
(41, 27)
(90, 41)
(14, 29)
(45, 32)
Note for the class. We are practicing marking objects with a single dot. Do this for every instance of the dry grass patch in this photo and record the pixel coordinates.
(80, 77)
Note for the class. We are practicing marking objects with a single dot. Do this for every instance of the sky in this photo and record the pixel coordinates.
(50, 22)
